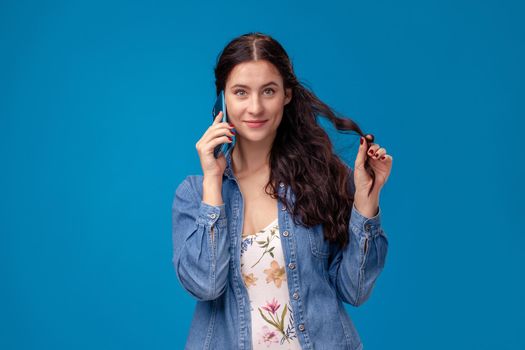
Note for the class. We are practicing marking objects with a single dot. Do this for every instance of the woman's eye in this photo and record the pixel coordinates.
(271, 91)
(236, 92)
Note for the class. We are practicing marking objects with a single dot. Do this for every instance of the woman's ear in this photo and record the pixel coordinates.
(287, 95)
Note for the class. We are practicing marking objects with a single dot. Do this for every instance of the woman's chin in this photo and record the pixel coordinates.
(252, 137)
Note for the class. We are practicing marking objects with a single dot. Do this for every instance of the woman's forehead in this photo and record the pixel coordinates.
(254, 74)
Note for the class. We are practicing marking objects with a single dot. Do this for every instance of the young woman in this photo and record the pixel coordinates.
(279, 232)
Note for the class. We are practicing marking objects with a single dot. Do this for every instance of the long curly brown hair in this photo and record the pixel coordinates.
(302, 155)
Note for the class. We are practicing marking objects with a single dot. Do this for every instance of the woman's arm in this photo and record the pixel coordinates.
(200, 243)
(354, 269)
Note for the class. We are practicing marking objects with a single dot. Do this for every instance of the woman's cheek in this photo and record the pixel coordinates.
(235, 121)
(233, 116)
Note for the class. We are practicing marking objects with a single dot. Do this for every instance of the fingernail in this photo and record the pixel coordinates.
(383, 157)
(230, 138)
(361, 140)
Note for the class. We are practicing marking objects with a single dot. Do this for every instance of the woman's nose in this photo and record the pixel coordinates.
(255, 106)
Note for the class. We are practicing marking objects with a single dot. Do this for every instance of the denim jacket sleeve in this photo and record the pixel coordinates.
(200, 242)
(354, 269)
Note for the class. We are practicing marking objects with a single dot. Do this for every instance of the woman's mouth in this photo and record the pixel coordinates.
(255, 124)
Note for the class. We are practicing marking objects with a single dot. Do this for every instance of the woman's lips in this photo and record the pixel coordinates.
(255, 124)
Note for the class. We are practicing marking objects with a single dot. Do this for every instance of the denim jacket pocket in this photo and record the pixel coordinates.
(320, 247)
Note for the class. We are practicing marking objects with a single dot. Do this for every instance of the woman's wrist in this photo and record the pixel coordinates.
(212, 190)
(367, 206)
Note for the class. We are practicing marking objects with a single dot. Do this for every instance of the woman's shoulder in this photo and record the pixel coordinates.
(188, 193)
(191, 183)
(193, 179)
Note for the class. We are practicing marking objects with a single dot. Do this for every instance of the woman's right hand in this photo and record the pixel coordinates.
(215, 135)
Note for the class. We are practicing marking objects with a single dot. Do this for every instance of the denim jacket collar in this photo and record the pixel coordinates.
(228, 172)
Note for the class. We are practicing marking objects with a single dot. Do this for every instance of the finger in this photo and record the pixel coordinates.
(219, 129)
(217, 118)
(217, 141)
(361, 153)
(373, 149)
(223, 130)
(215, 131)
(227, 125)
(386, 158)
(379, 153)
(218, 123)
(221, 125)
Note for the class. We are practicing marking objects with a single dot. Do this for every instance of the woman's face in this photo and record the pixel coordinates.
(255, 99)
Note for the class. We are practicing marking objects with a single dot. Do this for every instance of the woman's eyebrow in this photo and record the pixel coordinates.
(247, 87)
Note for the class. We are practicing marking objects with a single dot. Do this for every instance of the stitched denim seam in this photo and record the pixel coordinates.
(313, 245)
(211, 325)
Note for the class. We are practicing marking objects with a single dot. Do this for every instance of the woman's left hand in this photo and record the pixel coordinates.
(381, 163)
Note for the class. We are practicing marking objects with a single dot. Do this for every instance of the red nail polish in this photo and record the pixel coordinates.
(361, 140)
(383, 157)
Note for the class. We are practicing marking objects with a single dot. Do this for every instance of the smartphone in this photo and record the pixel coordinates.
(220, 105)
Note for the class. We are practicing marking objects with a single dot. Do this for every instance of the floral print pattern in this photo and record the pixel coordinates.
(275, 274)
(249, 280)
(268, 337)
(264, 275)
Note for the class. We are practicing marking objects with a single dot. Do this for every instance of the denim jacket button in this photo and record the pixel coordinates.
(213, 216)
(296, 295)
(301, 327)
(291, 266)
(367, 227)
(283, 208)
(285, 233)
(281, 184)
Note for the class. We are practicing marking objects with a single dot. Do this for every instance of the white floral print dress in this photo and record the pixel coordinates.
(264, 274)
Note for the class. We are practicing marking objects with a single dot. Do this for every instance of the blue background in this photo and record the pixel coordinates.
(101, 105)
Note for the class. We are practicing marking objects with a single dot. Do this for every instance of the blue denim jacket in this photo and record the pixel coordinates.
(321, 276)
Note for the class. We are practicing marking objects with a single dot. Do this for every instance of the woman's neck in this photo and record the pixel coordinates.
(250, 157)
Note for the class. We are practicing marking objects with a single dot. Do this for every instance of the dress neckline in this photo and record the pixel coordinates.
(262, 230)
